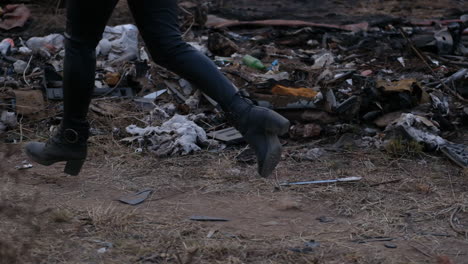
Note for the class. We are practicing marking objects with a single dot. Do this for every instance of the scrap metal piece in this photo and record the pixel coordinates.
(348, 179)
(458, 153)
(24, 166)
(390, 245)
(444, 42)
(325, 219)
(207, 219)
(228, 135)
(136, 198)
(373, 239)
(347, 105)
(455, 77)
(173, 89)
(308, 247)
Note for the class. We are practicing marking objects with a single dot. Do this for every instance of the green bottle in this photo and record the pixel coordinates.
(253, 62)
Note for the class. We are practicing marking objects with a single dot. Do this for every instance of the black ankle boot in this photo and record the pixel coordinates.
(68, 144)
(260, 127)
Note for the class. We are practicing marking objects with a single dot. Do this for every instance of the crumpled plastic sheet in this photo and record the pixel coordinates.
(419, 129)
(177, 136)
(51, 43)
(119, 43)
(160, 113)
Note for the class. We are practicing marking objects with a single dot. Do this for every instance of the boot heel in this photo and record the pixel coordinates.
(277, 124)
(73, 167)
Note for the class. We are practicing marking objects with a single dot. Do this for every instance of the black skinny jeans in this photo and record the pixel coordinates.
(158, 24)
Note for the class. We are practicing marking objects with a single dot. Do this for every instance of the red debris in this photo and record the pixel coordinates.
(14, 16)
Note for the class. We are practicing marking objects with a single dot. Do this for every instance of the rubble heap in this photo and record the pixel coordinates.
(405, 79)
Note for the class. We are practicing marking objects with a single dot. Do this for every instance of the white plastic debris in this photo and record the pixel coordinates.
(401, 60)
(313, 43)
(186, 86)
(25, 50)
(9, 119)
(193, 101)
(323, 60)
(161, 113)
(24, 165)
(201, 48)
(275, 76)
(418, 128)
(106, 246)
(144, 55)
(155, 95)
(98, 84)
(20, 66)
(440, 102)
(124, 43)
(176, 136)
(51, 43)
(104, 47)
(62, 53)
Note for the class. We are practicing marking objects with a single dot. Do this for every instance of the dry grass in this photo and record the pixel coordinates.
(19, 225)
(61, 216)
(399, 147)
(109, 219)
(410, 200)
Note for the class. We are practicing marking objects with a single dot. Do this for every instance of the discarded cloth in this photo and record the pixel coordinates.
(178, 135)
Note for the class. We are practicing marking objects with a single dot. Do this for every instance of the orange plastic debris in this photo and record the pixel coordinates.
(303, 92)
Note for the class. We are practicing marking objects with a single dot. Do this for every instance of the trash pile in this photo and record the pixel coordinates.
(382, 80)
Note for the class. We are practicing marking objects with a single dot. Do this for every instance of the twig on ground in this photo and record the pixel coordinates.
(454, 213)
(25, 70)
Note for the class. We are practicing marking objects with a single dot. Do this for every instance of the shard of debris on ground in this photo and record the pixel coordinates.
(394, 82)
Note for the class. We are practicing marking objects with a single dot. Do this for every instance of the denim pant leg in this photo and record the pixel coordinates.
(86, 21)
(158, 24)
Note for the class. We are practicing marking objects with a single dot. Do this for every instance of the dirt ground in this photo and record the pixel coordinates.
(408, 208)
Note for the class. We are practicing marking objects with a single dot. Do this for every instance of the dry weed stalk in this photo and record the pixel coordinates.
(109, 219)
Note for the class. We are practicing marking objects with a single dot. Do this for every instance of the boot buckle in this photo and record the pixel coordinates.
(70, 135)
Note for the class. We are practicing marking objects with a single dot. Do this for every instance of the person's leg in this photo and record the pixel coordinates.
(158, 24)
(86, 21)
(159, 27)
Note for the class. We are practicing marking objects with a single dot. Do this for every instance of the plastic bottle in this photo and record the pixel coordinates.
(6, 45)
(253, 62)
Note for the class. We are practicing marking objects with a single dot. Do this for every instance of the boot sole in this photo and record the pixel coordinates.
(40, 161)
(72, 167)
